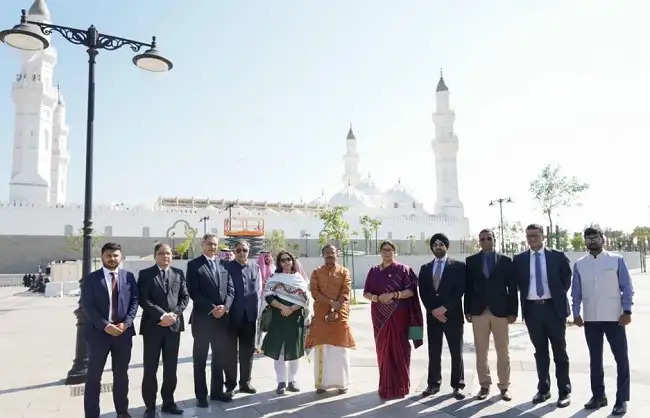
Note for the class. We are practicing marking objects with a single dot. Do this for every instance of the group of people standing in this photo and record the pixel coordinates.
(228, 299)
(236, 301)
(492, 286)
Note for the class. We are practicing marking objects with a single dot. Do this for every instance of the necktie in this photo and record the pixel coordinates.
(114, 298)
(538, 274)
(486, 265)
(165, 280)
(212, 266)
(490, 263)
(436, 274)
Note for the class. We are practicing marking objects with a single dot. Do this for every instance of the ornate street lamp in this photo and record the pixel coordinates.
(31, 36)
(500, 201)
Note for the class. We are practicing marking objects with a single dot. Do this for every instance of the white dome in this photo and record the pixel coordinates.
(351, 197)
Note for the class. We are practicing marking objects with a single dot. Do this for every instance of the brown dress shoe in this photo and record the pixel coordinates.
(505, 395)
(483, 393)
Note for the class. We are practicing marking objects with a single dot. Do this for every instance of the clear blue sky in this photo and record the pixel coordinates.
(261, 95)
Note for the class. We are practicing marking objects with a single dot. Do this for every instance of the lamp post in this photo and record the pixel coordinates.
(306, 236)
(31, 36)
(501, 201)
(205, 220)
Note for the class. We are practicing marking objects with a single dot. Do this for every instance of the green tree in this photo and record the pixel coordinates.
(642, 235)
(75, 243)
(366, 229)
(370, 225)
(276, 241)
(554, 191)
(334, 226)
(183, 248)
(578, 242)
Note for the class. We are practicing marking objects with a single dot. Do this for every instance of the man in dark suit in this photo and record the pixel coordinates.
(212, 292)
(246, 278)
(442, 284)
(490, 305)
(109, 298)
(543, 277)
(163, 297)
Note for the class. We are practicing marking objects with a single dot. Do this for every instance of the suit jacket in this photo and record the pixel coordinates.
(155, 302)
(450, 291)
(497, 292)
(247, 291)
(207, 288)
(558, 272)
(96, 304)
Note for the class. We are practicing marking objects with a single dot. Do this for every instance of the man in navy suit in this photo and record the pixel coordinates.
(163, 297)
(109, 297)
(543, 277)
(442, 284)
(246, 279)
(211, 289)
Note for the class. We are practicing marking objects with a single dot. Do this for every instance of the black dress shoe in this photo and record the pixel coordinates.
(292, 387)
(343, 391)
(171, 409)
(124, 415)
(505, 395)
(202, 403)
(458, 394)
(483, 393)
(223, 397)
(431, 390)
(564, 400)
(247, 388)
(595, 403)
(541, 397)
(620, 408)
(281, 387)
(149, 413)
(320, 391)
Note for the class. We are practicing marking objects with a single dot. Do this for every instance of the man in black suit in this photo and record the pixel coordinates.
(246, 279)
(490, 305)
(442, 284)
(543, 277)
(109, 298)
(163, 297)
(212, 292)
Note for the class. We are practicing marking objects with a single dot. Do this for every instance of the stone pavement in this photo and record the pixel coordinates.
(37, 347)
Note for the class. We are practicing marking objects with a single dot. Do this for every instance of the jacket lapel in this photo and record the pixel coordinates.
(525, 273)
(158, 277)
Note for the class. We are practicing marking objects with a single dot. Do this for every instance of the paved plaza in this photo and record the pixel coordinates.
(37, 348)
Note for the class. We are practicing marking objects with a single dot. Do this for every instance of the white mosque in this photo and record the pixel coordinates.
(39, 174)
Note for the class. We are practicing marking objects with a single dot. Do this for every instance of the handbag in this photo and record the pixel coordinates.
(331, 316)
(265, 318)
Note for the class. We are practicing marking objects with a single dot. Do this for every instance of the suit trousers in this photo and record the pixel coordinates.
(155, 342)
(453, 331)
(544, 325)
(245, 335)
(482, 326)
(617, 339)
(214, 334)
(99, 345)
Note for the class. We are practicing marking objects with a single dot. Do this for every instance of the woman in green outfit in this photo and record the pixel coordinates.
(287, 292)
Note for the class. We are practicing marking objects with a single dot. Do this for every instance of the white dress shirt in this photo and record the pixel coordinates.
(532, 287)
(109, 286)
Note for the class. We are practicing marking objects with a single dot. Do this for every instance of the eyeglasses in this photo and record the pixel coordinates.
(241, 250)
(284, 260)
(485, 239)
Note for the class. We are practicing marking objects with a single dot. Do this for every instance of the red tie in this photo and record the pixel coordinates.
(114, 297)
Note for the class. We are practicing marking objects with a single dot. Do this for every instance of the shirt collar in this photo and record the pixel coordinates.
(163, 269)
(442, 260)
(541, 251)
(107, 272)
(210, 259)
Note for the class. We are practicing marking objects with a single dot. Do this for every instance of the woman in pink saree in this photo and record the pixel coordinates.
(396, 318)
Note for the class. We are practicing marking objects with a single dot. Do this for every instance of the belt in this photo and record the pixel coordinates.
(539, 301)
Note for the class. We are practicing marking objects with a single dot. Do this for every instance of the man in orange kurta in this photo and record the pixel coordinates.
(330, 334)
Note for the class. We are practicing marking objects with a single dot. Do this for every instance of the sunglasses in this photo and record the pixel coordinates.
(241, 250)
(282, 260)
(486, 239)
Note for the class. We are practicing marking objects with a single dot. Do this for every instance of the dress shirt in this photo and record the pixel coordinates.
(109, 286)
(596, 270)
(532, 287)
